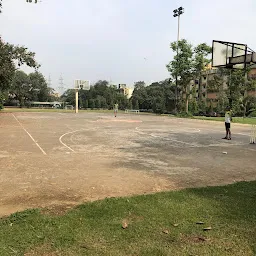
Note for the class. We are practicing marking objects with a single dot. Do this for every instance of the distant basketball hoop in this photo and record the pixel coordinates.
(80, 85)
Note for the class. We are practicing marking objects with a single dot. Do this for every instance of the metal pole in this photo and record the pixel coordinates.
(176, 87)
(178, 38)
(76, 101)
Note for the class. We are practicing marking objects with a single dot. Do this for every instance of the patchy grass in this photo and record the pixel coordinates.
(240, 120)
(159, 224)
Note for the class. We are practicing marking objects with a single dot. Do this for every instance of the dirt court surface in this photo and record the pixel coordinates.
(63, 159)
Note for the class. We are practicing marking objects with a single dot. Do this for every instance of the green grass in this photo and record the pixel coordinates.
(95, 228)
(240, 120)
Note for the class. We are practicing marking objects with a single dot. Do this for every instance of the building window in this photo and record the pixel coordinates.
(204, 77)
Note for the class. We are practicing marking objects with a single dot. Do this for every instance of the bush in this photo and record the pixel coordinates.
(1, 102)
(252, 114)
(185, 114)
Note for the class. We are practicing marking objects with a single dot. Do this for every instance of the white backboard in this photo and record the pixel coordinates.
(227, 54)
(82, 84)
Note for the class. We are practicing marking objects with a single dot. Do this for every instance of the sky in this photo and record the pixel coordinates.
(122, 41)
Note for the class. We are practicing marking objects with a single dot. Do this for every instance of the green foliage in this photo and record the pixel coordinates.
(185, 114)
(1, 101)
(193, 107)
(91, 103)
(97, 103)
(201, 58)
(158, 96)
(252, 114)
(129, 106)
(26, 88)
(8, 55)
(136, 105)
(86, 105)
(202, 106)
(100, 95)
(182, 65)
(187, 65)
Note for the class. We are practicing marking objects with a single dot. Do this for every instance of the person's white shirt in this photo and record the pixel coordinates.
(227, 117)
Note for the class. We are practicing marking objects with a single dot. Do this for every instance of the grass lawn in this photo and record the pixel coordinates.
(240, 120)
(159, 224)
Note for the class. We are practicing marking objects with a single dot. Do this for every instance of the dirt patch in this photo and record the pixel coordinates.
(43, 250)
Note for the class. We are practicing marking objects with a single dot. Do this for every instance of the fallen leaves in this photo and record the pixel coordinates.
(124, 224)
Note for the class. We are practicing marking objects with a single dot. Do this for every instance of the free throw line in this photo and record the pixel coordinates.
(28, 134)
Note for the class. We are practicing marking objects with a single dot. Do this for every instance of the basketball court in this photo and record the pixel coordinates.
(58, 160)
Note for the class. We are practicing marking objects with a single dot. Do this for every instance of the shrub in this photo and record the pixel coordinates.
(185, 114)
(253, 114)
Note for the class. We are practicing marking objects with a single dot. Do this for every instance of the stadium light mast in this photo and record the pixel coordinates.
(177, 13)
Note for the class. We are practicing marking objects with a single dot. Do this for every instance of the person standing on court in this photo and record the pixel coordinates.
(228, 119)
(115, 109)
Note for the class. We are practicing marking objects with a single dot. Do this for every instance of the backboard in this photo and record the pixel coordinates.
(231, 55)
(82, 84)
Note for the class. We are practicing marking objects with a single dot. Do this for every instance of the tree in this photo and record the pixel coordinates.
(181, 67)
(69, 96)
(97, 103)
(104, 104)
(39, 90)
(236, 90)
(86, 104)
(20, 87)
(201, 58)
(139, 94)
(193, 106)
(8, 55)
(129, 106)
(91, 104)
(32, 87)
(136, 105)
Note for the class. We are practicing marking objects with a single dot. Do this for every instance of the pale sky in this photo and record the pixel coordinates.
(122, 40)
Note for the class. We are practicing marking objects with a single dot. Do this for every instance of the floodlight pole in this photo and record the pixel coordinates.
(76, 101)
(177, 13)
(176, 78)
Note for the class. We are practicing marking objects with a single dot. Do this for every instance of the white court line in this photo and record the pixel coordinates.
(28, 134)
(65, 145)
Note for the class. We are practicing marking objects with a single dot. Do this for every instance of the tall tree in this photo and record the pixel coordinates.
(39, 89)
(181, 67)
(139, 94)
(20, 88)
(9, 55)
(201, 59)
(32, 87)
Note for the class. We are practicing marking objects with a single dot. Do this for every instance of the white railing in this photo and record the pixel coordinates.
(132, 111)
